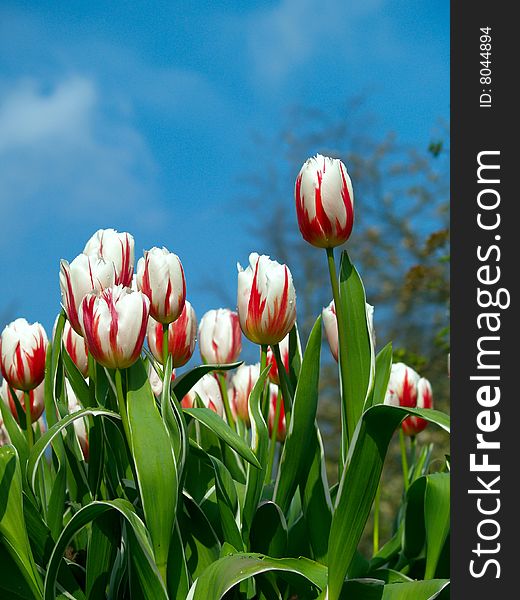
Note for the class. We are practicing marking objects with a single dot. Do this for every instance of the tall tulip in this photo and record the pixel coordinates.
(36, 400)
(274, 376)
(115, 247)
(83, 275)
(114, 323)
(220, 338)
(160, 276)
(324, 202)
(182, 335)
(242, 383)
(281, 429)
(22, 354)
(208, 390)
(413, 425)
(266, 300)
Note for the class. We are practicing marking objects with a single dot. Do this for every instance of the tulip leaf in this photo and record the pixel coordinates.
(76, 380)
(382, 376)
(436, 518)
(269, 531)
(221, 429)
(415, 590)
(297, 457)
(155, 463)
(18, 439)
(13, 533)
(183, 384)
(359, 483)
(229, 570)
(101, 553)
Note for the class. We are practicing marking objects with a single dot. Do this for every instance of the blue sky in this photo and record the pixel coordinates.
(140, 116)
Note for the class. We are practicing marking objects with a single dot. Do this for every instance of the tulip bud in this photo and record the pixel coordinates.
(266, 300)
(160, 277)
(414, 425)
(75, 346)
(281, 429)
(114, 247)
(80, 428)
(182, 335)
(80, 277)
(36, 400)
(271, 360)
(330, 324)
(242, 382)
(22, 354)
(114, 323)
(220, 338)
(208, 390)
(155, 380)
(324, 202)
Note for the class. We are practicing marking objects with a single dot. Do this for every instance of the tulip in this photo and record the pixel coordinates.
(242, 383)
(80, 428)
(114, 247)
(220, 338)
(76, 347)
(266, 300)
(271, 360)
(281, 429)
(114, 323)
(160, 276)
(182, 335)
(413, 425)
(208, 390)
(330, 324)
(36, 400)
(324, 202)
(80, 277)
(155, 380)
(22, 354)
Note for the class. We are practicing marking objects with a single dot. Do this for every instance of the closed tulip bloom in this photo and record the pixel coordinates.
(266, 300)
(414, 425)
(242, 383)
(324, 202)
(330, 324)
(36, 400)
(80, 277)
(281, 431)
(271, 360)
(220, 337)
(22, 354)
(160, 276)
(114, 323)
(208, 390)
(76, 348)
(115, 247)
(182, 335)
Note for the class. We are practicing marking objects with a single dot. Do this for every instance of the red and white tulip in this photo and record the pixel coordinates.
(208, 390)
(83, 275)
(324, 202)
(220, 337)
(242, 383)
(182, 335)
(114, 323)
(22, 354)
(266, 300)
(160, 276)
(36, 400)
(76, 348)
(114, 247)
(281, 430)
(413, 425)
(330, 324)
(274, 376)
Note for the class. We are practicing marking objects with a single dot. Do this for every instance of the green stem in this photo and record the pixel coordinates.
(272, 446)
(285, 384)
(265, 397)
(91, 381)
(122, 406)
(346, 413)
(225, 398)
(404, 460)
(28, 422)
(377, 502)
(165, 347)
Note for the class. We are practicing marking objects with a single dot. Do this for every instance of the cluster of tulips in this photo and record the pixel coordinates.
(111, 308)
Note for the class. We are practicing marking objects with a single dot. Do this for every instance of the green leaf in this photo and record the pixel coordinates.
(18, 439)
(101, 553)
(221, 429)
(359, 483)
(436, 518)
(154, 462)
(415, 590)
(13, 534)
(52, 364)
(296, 456)
(183, 384)
(140, 552)
(12, 583)
(226, 572)
(77, 382)
(269, 531)
(57, 502)
(414, 529)
(383, 369)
